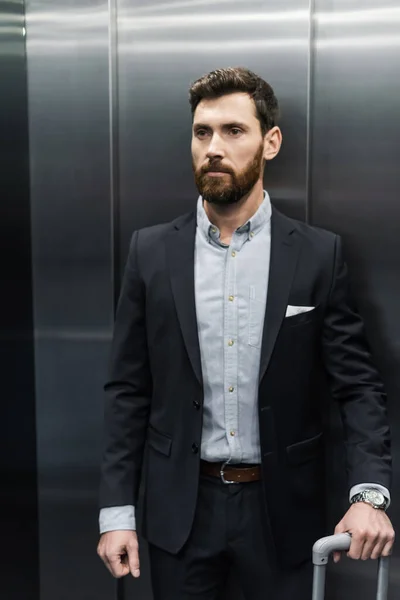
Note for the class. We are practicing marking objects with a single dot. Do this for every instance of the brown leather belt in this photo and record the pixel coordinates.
(239, 473)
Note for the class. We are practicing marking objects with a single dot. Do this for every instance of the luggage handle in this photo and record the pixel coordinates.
(335, 543)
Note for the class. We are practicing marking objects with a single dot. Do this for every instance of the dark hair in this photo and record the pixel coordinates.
(238, 79)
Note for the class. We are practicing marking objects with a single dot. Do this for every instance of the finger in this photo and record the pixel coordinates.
(133, 558)
(385, 543)
(379, 548)
(336, 557)
(370, 544)
(387, 549)
(108, 565)
(356, 547)
(119, 565)
(340, 528)
(104, 558)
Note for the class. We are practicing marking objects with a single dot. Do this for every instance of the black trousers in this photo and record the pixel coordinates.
(227, 534)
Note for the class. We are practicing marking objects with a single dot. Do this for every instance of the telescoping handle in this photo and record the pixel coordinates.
(321, 552)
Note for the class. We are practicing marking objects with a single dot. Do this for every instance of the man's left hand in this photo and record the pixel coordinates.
(371, 531)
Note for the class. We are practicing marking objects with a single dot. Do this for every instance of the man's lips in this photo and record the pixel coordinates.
(217, 173)
(216, 170)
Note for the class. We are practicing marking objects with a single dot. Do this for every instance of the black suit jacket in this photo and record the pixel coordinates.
(155, 391)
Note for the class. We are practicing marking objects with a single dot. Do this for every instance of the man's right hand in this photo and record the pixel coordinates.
(119, 550)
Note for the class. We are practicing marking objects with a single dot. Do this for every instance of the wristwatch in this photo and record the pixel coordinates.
(373, 497)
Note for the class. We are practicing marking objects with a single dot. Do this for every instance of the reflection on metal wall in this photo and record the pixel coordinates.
(355, 190)
(69, 146)
(18, 505)
(162, 48)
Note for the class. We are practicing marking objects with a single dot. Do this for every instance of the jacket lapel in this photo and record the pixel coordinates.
(284, 254)
(180, 244)
(180, 256)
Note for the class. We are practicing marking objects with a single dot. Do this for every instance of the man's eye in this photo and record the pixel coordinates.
(235, 131)
(201, 132)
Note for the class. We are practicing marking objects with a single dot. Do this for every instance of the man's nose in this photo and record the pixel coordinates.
(215, 149)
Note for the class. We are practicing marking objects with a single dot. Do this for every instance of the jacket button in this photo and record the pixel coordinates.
(196, 404)
(195, 448)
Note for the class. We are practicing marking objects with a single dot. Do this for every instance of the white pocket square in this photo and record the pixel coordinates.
(291, 311)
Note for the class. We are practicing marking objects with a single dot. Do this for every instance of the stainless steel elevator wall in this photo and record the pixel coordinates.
(18, 499)
(161, 46)
(70, 188)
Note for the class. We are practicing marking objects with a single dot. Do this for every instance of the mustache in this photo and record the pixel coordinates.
(215, 167)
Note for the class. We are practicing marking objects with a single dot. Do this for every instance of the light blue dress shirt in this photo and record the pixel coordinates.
(231, 285)
(231, 291)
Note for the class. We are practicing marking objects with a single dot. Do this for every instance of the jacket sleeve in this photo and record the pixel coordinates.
(128, 393)
(355, 383)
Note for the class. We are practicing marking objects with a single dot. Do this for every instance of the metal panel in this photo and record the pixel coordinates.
(163, 47)
(18, 513)
(70, 176)
(354, 192)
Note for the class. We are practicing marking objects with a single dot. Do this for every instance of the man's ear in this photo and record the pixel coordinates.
(272, 143)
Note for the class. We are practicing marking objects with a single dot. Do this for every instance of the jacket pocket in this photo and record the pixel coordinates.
(303, 451)
(159, 441)
(301, 318)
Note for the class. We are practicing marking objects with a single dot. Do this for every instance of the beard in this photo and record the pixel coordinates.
(228, 189)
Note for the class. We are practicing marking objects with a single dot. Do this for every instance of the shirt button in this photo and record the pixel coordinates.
(251, 234)
(195, 448)
(230, 343)
(213, 230)
(233, 253)
(232, 433)
(196, 404)
(231, 389)
(231, 298)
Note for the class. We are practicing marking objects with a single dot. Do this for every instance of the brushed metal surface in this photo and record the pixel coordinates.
(18, 490)
(79, 212)
(70, 194)
(354, 192)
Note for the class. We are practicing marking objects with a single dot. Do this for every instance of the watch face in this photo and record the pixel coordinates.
(375, 497)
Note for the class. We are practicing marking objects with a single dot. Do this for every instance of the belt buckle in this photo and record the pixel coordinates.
(221, 472)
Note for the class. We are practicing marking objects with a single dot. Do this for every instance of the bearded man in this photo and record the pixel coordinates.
(228, 319)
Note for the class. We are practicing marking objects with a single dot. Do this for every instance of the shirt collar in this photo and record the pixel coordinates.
(253, 226)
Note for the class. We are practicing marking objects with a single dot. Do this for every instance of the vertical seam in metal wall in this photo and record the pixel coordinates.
(310, 90)
(114, 152)
(36, 527)
(114, 177)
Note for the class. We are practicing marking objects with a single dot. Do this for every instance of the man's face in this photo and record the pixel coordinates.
(227, 148)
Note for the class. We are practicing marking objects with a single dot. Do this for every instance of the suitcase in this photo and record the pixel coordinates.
(321, 552)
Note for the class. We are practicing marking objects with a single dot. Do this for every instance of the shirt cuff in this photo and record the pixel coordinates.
(356, 489)
(117, 518)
